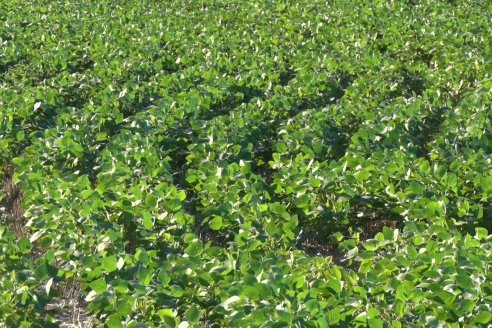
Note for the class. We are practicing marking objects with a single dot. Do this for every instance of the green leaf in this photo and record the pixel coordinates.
(24, 298)
(216, 223)
(114, 321)
(151, 201)
(121, 286)
(403, 290)
(109, 264)
(124, 305)
(227, 303)
(20, 135)
(463, 280)
(142, 256)
(164, 278)
(418, 240)
(314, 182)
(101, 136)
(447, 297)
(362, 175)
(281, 147)
(425, 167)
(481, 233)
(372, 313)
(24, 245)
(147, 221)
(371, 245)
(194, 249)
(181, 195)
(484, 317)
(99, 286)
(399, 308)
(335, 286)
(168, 316)
(396, 324)
(375, 323)
(334, 316)
(193, 315)
(388, 233)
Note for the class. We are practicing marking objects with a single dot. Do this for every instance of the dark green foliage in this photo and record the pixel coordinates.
(232, 163)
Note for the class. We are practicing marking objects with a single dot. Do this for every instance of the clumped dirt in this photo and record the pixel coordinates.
(12, 203)
(70, 307)
(371, 228)
(317, 247)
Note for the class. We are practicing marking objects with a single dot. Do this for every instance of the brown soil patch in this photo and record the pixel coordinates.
(12, 203)
(371, 228)
(317, 247)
